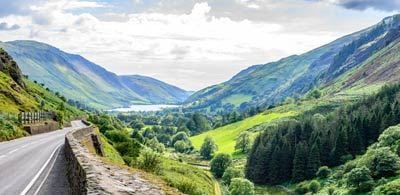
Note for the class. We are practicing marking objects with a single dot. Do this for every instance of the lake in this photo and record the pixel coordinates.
(145, 108)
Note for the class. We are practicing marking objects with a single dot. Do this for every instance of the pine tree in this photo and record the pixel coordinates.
(300, 162)
(314, 161)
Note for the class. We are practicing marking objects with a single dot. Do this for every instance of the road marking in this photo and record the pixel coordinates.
(2, 156)
(47, 174)
(12, 151)
(29, 186)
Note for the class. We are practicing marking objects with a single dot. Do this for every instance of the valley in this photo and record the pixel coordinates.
(323, 122)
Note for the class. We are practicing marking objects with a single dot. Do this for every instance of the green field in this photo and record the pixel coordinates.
(225, 136)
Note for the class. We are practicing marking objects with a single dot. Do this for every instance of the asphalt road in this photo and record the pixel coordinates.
(35, 164)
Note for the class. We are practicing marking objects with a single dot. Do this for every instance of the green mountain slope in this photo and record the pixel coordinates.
(153, 89)
(20, 94)
(82, 80)
(295, 75)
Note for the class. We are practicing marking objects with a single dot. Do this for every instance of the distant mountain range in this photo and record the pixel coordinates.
(365, 58)
(79, 79)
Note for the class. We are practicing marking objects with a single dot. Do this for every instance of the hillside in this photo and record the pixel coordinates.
(361, 59)
(225, 137)
(379, 164)
(20, 94)
(82, 80)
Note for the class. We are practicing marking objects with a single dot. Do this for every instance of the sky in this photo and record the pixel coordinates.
(188, 43)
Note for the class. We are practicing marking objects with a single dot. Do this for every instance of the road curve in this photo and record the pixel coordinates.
(26, 163)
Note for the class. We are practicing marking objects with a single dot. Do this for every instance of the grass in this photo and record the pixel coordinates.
(186, 178)
(236, 99)
(225, 136)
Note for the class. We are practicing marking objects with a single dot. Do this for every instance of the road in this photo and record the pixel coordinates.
(35, 164)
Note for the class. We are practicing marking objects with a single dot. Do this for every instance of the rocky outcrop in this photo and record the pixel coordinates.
(10, 67)
(88, 174)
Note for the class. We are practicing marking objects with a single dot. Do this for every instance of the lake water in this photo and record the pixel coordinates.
(145, 108)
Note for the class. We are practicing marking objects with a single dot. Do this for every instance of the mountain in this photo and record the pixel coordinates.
(82, 80)
(367, 57)
(20, 94)
(153, 89)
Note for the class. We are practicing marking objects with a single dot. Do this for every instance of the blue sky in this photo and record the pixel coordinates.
(188, 43)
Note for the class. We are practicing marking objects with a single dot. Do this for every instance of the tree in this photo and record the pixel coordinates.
(181, 146)
(299, 162)
(384, 163)
(313, 162)
(137, 124)
(230, 173)
(243, 142)
(219, 164)
(180, 136)
(315, 93)
(240, 186)
(360, 179)
(208, 148)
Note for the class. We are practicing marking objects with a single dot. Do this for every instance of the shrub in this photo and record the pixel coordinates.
(240, 186)
(149, 161)
(360, 179)
(384, 163)
(219, 164)
(231, 173)
(391, 188)
(117, 136)
(314, 186)
(301, 189)
(137, 135)
(323, 172)
(180, 136)
(389, 137)
(208, 148)
(181, 146)
(130, 148)
(331, 190)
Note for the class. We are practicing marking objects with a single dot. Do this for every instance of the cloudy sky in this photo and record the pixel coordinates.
(188, 43)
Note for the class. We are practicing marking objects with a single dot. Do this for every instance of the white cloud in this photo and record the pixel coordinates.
(191, 50)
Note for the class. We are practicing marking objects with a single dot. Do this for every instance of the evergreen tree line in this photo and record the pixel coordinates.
(295, 149)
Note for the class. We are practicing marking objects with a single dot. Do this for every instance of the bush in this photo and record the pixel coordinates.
(384, 163)
(181, 146)
(155, 145)
(389, 137)
(240, 186)
(219, 164)
(149, 161)
(130, 148)
(360, 179)
(391, 188)
(301, 189)
(323, 172)
(180, 136)
(314, 186)
(137, 135)
(116, 136)
(231, 173)
(208, 148)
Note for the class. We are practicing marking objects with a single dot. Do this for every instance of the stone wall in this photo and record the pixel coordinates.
(88, 174)
(43, 127)
(76, 168)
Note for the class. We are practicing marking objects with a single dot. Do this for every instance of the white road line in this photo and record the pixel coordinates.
(12, 151)
(47, 174)
(29, 186)
(2, 156)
